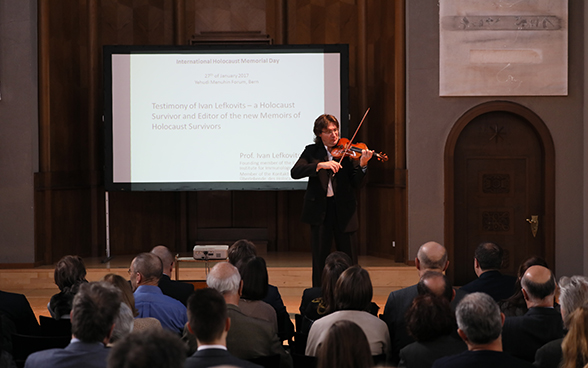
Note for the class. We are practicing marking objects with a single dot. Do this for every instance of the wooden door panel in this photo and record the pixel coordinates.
(498, 185)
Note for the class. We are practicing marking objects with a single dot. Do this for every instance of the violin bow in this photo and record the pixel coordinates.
(354, 134)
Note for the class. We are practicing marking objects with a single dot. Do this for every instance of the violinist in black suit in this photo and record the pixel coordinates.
(329, 203)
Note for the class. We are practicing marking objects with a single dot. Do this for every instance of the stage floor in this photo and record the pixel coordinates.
(290, 272)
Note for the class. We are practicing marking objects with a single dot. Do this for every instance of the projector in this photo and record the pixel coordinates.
(207, 252)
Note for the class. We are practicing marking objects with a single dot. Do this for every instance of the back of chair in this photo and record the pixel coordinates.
(269, 361)
(25, 345)
(55, 327)
(304, 361)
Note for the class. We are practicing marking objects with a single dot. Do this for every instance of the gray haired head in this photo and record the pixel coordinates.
(478, 316)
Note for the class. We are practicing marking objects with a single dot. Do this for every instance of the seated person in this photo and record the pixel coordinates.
(209, 322)
(70, 273)
(317, 302)
(94, 309)
(253, 272)
(242, 249)
(487, 265)
(479, 324)
(431, 322)
(353, 295)
(145, 272)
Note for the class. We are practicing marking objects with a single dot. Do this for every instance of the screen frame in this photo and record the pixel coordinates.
(110, 50)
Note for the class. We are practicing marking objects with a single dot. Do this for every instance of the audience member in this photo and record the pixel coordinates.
(345, 346)
(430, 256)
(248, 337)
(16, 308)
(487, 263)
(253, 272)
(145, 272)
(479, 324)
(70, 273)
(522, 336)
(573, 293)
(178, 290)
(209, 322)
(148, 349)
(139, 324)
(431, 322)
(515, 305)
(353, 295)
(320, 301)
(94, 310)
(242, 249)
(575, 344)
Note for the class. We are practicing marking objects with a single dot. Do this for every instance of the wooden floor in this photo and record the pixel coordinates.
(290, 272)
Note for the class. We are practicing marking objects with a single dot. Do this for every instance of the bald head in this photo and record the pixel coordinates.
(166, 256)
(538, 285)
(431, 256)
(433, 282)
(146, 269)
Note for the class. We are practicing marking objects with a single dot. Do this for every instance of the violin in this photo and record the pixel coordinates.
(353, 151)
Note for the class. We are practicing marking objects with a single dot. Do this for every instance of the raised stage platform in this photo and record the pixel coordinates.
(290, 272)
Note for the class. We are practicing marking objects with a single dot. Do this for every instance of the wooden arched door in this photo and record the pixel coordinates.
(499, 170)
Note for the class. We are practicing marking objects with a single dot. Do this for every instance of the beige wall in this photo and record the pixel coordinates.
(18, 128)
(430, 118)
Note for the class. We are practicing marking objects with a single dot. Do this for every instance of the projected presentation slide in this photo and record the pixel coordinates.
(216, 118)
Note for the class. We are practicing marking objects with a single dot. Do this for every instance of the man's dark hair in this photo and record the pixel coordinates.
(353, 290)
(422, 288)
(253, 272)
(240, 250)
(69, 273)
(207, 314)
(539, 290)
(95, 307)
(321, 123)
(489, 256)
(148, 348)
(429, 317)
(149, 266)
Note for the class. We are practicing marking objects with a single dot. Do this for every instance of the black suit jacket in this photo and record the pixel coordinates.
(285, 325)
(549, 355)
(423, 354)
(17, 308)
(344, 183)
(493, 283)
(215, 357)
(178, 290)
(523, 336)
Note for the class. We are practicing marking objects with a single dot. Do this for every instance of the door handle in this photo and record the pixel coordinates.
(534, 222)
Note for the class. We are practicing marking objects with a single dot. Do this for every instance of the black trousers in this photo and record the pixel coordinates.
(322, 237)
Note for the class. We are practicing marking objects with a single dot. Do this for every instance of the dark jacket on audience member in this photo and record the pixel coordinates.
(17, 308)
(285, 325)
(549, 355)
(423, 354)
(523, 336)
(481, 359)
(493, 283)
(216, 357)
(176, 289)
